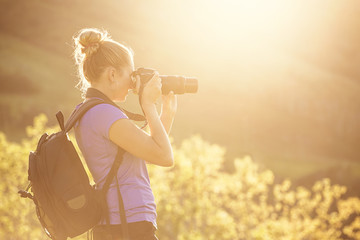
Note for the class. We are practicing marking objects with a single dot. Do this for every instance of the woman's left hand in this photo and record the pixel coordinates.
(169, 104)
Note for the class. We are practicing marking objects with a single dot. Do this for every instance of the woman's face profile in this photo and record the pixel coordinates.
(124, 84)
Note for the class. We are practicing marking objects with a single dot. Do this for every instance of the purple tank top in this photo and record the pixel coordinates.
(92, 136)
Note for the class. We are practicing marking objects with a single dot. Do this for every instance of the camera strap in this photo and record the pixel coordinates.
(94, 93)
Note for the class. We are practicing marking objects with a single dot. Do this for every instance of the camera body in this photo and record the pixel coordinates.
(175, 83)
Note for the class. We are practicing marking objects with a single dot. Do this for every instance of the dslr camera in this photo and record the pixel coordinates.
(175, 83)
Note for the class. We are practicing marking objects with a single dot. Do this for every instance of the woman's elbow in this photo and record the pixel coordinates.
(170, 162)
(167, 160)
(162, 157)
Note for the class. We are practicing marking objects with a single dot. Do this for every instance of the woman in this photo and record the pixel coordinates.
(106, 66)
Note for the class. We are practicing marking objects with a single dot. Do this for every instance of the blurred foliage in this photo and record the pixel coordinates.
(197, 199)
(200, 201)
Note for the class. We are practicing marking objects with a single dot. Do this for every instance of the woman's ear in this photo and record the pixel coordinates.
(110, 74)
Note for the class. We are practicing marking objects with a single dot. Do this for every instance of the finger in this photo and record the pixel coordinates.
(157, 82)
(138, 83)
(169, 97)
(155, 77)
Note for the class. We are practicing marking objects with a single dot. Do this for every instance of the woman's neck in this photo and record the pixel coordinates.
(104, 89)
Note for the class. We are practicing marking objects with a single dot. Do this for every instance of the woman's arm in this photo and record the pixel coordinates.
(168, 110)
(154, 147)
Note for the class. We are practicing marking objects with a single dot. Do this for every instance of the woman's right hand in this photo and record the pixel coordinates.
(153, 147)
(152, 91)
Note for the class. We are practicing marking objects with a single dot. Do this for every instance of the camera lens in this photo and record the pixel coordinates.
(191, 85)
(175, 83)
(178, 84)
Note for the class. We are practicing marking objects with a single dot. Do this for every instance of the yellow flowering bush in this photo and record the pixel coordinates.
(198, 199)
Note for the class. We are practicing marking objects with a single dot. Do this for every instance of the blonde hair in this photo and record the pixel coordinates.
(94, 51)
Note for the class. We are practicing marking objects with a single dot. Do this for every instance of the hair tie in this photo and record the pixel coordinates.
(90, 45)
(85, 49)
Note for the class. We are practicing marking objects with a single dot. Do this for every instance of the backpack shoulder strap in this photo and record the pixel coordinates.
(111, 175)
(80, 110)
(95, 97)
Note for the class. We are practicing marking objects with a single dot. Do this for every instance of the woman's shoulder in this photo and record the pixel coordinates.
(103, 114)
(100, 118)
(105, 110)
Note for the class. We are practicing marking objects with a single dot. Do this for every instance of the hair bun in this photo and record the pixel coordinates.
(89, 40)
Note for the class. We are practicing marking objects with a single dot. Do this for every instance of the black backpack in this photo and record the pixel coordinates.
(66, 203)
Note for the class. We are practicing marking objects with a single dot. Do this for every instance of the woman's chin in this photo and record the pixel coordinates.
(121, 98)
